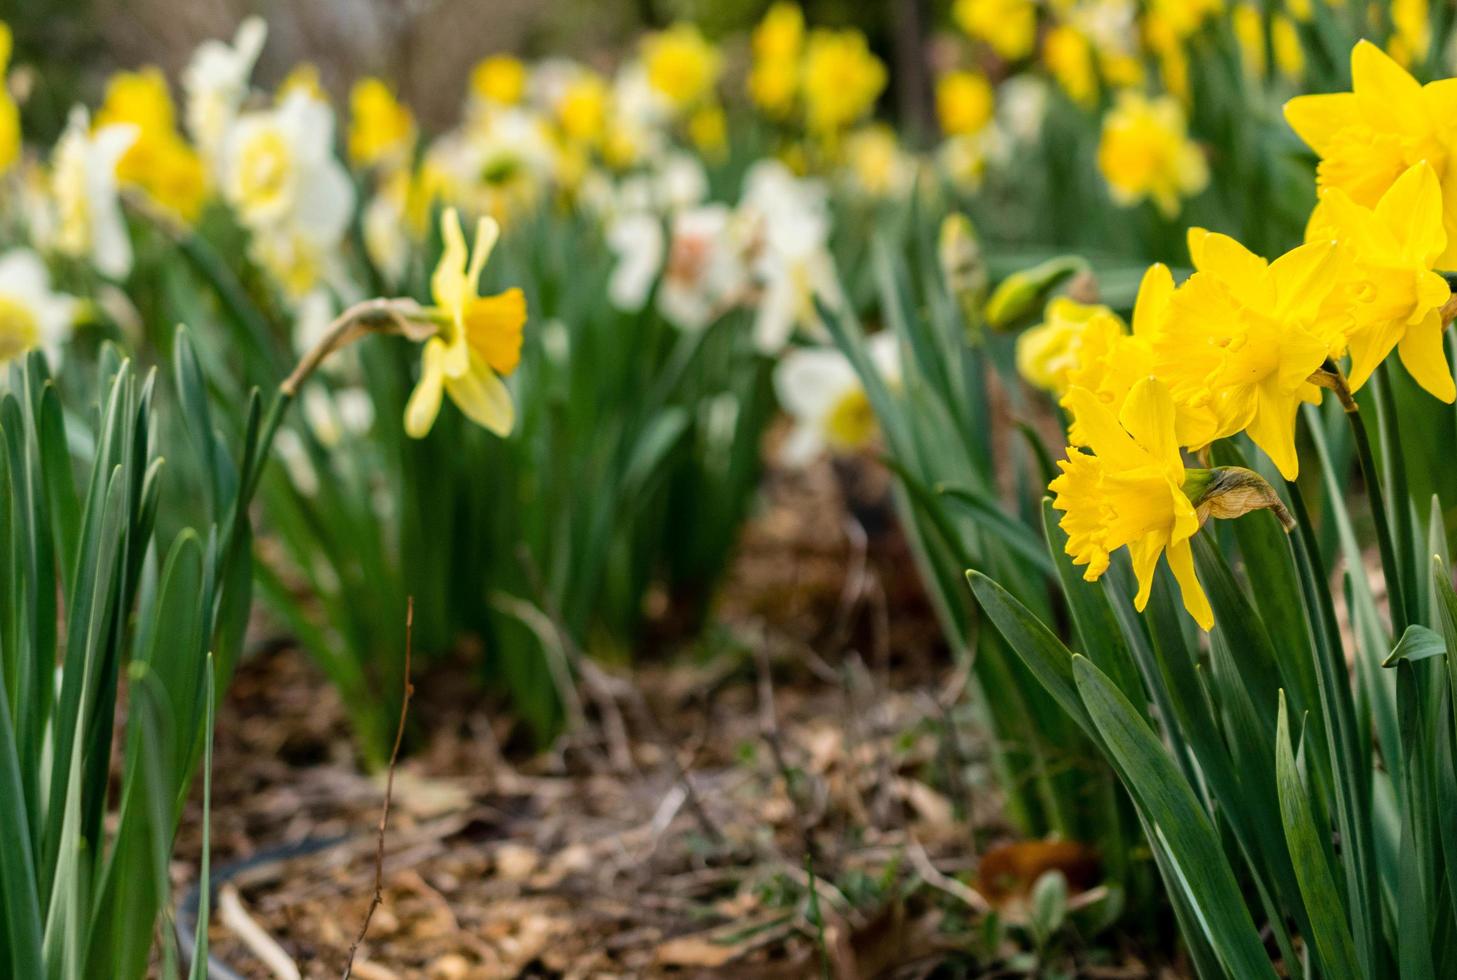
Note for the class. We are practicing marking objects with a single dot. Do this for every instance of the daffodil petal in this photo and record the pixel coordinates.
(424, 404)
(483, 397)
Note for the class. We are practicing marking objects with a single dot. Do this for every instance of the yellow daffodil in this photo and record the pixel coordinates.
(1248, 22)
(499, 79)
(1130, 492)
(879, 165)
(159, 162)
(1368, 137)
(964, 103)
(381, 128)
(1145, 152)
(774, 78)
(842, 80)
(1069, 59)
(1395, 297)
(1243, 337)
(1111, 360)
(708, 129)
(479, 341)
(1009, 27)
(1047, 352)
(681, 64)
(582, 109)
(1411, 31)
(9, 111)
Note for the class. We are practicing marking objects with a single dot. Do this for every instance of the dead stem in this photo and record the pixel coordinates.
(389, 788)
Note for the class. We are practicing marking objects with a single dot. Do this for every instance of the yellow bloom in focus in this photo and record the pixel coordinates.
(774, 78)
(479, 341)
(1009, 27)
(582, 109)
(842, 80)
(381, 128)
(159, 162)
(1130, 492)
(1368, 137)
(1388, 284)
(1243, 337)
(964, 103)
(1048, 352)
(1069, 59)
(1110, 360)
(1145, 152)
(681, 64)
(499, 79)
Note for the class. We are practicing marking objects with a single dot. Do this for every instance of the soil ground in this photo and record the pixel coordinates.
(803, 793)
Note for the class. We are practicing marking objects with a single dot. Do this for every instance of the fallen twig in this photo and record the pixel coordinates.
(389, 788)
(235, 919)
(956, 889)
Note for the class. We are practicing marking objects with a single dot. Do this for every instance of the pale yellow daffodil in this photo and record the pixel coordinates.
(479, 341)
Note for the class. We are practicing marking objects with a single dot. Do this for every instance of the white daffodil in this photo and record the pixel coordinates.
(282, 169)
(1022, 106)
(289, 190)
(636, 238)
(793, 267)
(215, 82)
(31, 315)
(704, 276)
(822, 393)
(681, 182)
(88, 223)
(498, 165)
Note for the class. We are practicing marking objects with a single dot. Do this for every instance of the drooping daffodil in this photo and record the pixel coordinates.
(479, 338)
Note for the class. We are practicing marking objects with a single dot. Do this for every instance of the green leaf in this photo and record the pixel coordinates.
(1310, 855)
(990, 516)
(1417, 643)
(1042, 652)
(1179, 821)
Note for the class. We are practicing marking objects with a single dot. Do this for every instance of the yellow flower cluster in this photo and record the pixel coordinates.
(1242, 343)
(831, 75)
(1146, 153)
(159, 162)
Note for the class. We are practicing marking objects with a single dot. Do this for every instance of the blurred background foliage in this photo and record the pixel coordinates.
(67, 48)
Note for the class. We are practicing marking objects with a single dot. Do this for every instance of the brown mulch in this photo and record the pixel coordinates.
(800, 803)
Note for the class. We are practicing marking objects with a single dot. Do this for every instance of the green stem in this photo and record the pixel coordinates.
(1390, 565)
(1350, 763)
(1394, 460)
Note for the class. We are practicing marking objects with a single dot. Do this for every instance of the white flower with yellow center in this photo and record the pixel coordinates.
(281, 169)
(31, 315)
(785, 222)
(216, 82)
(822, 393)
(89, 223)
(704, 276)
